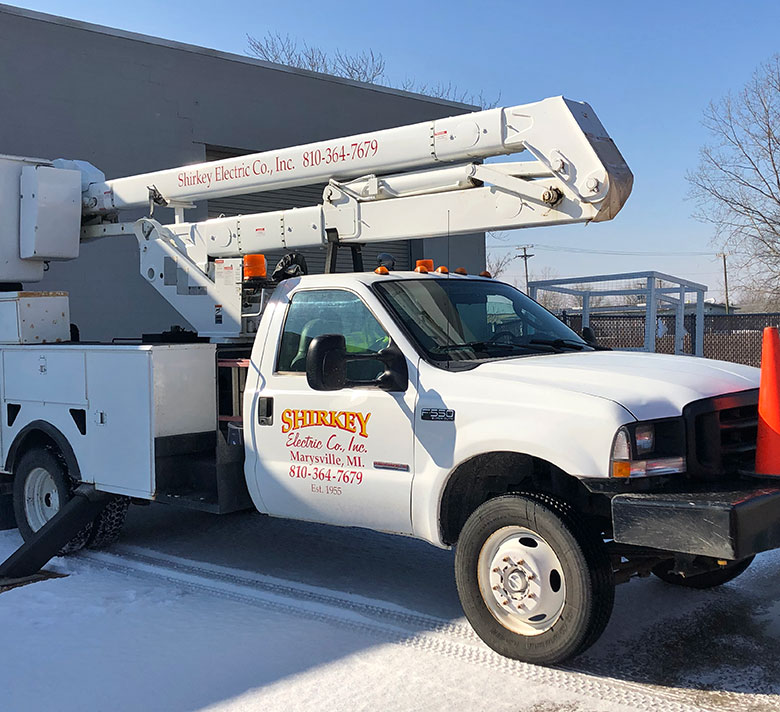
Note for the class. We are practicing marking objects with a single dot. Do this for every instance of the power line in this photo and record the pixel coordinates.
(627, 253)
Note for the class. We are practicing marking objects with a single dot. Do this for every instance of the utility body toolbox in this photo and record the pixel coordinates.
(127, 412)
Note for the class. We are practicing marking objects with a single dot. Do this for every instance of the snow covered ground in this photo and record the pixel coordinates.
(242, 612)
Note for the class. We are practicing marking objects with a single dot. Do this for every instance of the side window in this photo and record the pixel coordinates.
(331, 311)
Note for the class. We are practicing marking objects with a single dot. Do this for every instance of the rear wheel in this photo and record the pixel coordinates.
(709, 579)
(42, 486)
(108, 524)
(534, 581)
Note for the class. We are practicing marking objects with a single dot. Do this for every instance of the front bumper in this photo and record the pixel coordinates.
(724, 524)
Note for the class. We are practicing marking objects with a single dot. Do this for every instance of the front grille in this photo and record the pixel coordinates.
(721, 434)
(738, 430)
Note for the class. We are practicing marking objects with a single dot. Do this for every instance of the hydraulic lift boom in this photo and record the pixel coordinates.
(417, 181)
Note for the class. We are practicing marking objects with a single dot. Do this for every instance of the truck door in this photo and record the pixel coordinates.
(340, 457)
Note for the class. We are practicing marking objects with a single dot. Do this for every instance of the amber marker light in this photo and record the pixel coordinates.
(254, 267)
(461, 270)
(428, 264)
(485, 273)
(442, 270)
(381, 270)
(621, 469)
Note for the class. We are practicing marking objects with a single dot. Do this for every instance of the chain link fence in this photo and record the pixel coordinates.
(727, 337)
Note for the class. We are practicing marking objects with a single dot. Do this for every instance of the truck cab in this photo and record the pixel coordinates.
(482, 380)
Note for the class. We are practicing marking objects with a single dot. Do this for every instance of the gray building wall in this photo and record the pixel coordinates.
(130, 104)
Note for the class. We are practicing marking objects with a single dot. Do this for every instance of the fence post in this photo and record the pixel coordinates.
(699, 350)
(650, 315)
(585, 310)
(679, 324)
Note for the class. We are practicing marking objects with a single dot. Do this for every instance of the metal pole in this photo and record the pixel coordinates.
(725, 280)
(651, 310)
(699, 323)
(679, 324)
(525, 257)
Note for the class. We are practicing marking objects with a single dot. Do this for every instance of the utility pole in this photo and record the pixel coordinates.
(525, 257)
(725, 280)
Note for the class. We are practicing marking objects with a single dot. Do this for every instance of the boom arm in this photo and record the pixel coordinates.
(416, 181)
(564, 136)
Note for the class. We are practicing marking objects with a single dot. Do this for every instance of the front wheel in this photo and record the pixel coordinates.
(534, 580)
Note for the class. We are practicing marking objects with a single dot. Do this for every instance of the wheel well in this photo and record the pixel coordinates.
(42, 434)
(492, 474)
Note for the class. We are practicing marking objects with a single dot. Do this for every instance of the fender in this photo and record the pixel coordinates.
(41, 426)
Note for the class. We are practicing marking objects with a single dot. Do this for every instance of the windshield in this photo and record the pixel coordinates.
(466, 320)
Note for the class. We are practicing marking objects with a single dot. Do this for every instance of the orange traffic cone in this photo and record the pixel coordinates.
(768, 443)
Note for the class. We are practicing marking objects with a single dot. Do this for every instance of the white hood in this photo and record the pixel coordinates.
(647, 385)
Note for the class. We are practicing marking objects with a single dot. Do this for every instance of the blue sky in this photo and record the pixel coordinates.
(648, 69)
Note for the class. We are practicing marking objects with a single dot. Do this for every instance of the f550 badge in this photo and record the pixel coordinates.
(438, 414)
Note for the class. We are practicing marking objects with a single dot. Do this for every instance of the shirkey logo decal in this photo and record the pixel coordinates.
(340, 419)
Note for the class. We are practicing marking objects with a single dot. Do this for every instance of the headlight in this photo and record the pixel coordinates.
(647, 449)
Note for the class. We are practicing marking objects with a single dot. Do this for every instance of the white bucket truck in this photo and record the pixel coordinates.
(431, 403)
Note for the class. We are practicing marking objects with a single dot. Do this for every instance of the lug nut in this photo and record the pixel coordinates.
(496, 570)
(496, 588)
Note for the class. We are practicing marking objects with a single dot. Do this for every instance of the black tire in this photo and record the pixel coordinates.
(108, 524)
(36, 460)
(585, 578)
(710, 579)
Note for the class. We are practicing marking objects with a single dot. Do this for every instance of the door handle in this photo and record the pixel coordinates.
(265, 411)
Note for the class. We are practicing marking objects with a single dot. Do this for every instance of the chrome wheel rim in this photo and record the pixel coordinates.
(41, 498)
(521, 580)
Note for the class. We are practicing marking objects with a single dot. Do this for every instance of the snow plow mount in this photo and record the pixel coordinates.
(728, 524)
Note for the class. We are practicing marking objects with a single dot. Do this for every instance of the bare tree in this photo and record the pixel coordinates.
(737, 183)
(496, 263)
(283, 49)
(364, 66)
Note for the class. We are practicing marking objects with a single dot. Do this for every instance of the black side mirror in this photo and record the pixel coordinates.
(326, 363)
(396, 374)
(590, 339)
(326, 366)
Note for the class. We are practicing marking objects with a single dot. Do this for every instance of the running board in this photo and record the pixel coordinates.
(34, 554)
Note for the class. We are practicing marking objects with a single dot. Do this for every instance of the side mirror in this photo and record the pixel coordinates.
(396, 374)
(590, 339)
(327, 359)
(326, 363)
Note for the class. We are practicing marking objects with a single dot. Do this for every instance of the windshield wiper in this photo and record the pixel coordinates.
(488, 345)
(560, 343)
